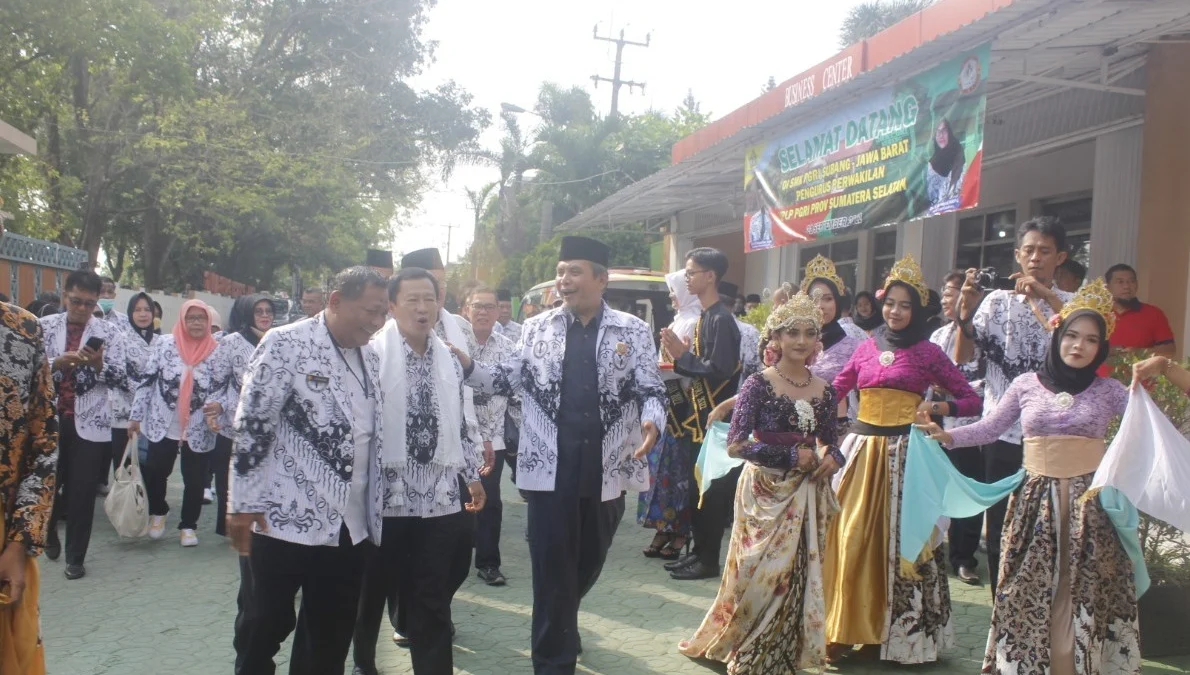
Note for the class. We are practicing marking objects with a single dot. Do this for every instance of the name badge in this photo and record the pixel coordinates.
(317, 382)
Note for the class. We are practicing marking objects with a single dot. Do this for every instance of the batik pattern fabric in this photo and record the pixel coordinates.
(92, 411)
(156, 402)
(28, 429)
(491, 409)
(238, 352)
(630, 393)
(750, 362)
(512, 330)
(136, 356)
(1012, 335)
(665, 506)
(429, 489)
(871, 598)
(1048, 520)
(769, 615)
(294, 451)
(973, 370)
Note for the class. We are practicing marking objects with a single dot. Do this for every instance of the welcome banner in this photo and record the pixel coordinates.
(903, 152)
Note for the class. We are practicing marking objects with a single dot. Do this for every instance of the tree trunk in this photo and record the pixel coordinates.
(157, 245)
(547, 221)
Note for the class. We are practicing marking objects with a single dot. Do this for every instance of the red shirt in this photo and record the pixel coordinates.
(1144, 328)
(74, 335)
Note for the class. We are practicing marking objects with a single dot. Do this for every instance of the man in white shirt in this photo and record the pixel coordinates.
(1010, 330)
(426, 451)
(504, 324)
(306, 487)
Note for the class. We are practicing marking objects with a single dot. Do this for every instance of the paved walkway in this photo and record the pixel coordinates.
(154, 608)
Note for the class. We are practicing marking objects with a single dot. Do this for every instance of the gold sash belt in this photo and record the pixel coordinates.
(1063, 456)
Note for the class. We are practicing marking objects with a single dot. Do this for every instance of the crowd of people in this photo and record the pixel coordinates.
(356, 456)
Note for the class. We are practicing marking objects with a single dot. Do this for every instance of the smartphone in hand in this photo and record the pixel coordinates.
(94, 343)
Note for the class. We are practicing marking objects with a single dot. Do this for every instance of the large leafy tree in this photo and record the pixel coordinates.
(869, 18)
(180, 136)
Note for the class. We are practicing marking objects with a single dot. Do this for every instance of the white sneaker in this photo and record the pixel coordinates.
(189, 538)
(156, 527)
(207, 496)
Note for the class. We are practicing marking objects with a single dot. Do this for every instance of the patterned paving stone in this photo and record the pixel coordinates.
(148, 608)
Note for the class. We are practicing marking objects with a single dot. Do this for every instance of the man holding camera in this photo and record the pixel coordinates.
(1010, 330)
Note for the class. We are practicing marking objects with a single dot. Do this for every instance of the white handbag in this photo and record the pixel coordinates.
(127, 504)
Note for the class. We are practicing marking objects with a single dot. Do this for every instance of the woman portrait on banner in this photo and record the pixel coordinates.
(666, 506)
(944, 171)
(769, 614)
(899, 610)
(1066, 602)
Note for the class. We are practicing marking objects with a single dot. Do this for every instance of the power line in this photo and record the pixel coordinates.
(615, 80)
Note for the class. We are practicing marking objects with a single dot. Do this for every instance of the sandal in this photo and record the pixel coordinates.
(673, 549)
(659, 542)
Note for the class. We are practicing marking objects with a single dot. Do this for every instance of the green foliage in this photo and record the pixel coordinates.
(248, 138)
(629, 249)
(1166, 550)
(758, 315)
(569, 161)
(873, 16)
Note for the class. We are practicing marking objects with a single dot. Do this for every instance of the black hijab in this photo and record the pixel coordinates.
(1060, 378)
(831, 332)
(243, 317)
(146, 334)
(917, 330)
(948, 161)
(870, 323)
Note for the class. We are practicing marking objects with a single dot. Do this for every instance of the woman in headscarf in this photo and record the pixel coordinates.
(185, 371)
(136, 350)
(770, 611)
(1066, 603)
(900, 610)
(665, 507)
(867, 316)
(944, 173)
(251, 317)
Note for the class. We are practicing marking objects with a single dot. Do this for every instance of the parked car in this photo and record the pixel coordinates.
(641, 292)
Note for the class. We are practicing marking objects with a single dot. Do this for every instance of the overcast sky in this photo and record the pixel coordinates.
(503, 51)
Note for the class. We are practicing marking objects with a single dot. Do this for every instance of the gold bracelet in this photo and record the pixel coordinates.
(1168, 363)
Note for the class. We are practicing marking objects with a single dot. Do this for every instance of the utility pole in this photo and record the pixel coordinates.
(449, 230)
(615, 80)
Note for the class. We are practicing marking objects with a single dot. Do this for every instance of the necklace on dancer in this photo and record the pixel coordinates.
(795, 385)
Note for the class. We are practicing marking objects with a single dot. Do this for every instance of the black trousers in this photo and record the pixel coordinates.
(80, 465)
(568, 541)
(119, 444)
(714, 517)
(963, 536)
(419, 557)
(488, 521)
(1001, 460)
(379, 589)
(195, 466)
(329, 579)
(220, 461)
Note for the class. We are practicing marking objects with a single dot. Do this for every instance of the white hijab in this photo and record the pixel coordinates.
(689, 307)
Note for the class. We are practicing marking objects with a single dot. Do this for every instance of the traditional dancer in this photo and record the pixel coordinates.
(1066, 602)
(872, 600)
(770, 612)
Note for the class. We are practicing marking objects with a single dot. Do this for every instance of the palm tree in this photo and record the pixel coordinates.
(478, 200)
(869, 18)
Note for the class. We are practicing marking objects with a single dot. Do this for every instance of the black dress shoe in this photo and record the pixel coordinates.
(75, 572)
(695, 571)
(492, 576)
(685, 561)
(968, 576)
(53, 547)
(361, 670)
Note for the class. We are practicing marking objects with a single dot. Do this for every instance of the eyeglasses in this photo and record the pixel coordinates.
(263, 312)
(690, 274)
(196, 319)
(80, 303)
(487, 307)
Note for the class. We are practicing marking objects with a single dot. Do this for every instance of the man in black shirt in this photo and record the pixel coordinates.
(712, 361)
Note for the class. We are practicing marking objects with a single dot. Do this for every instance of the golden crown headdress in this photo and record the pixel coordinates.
(1094, 297)
(907, 271)
(799, 309)
(821, 267)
